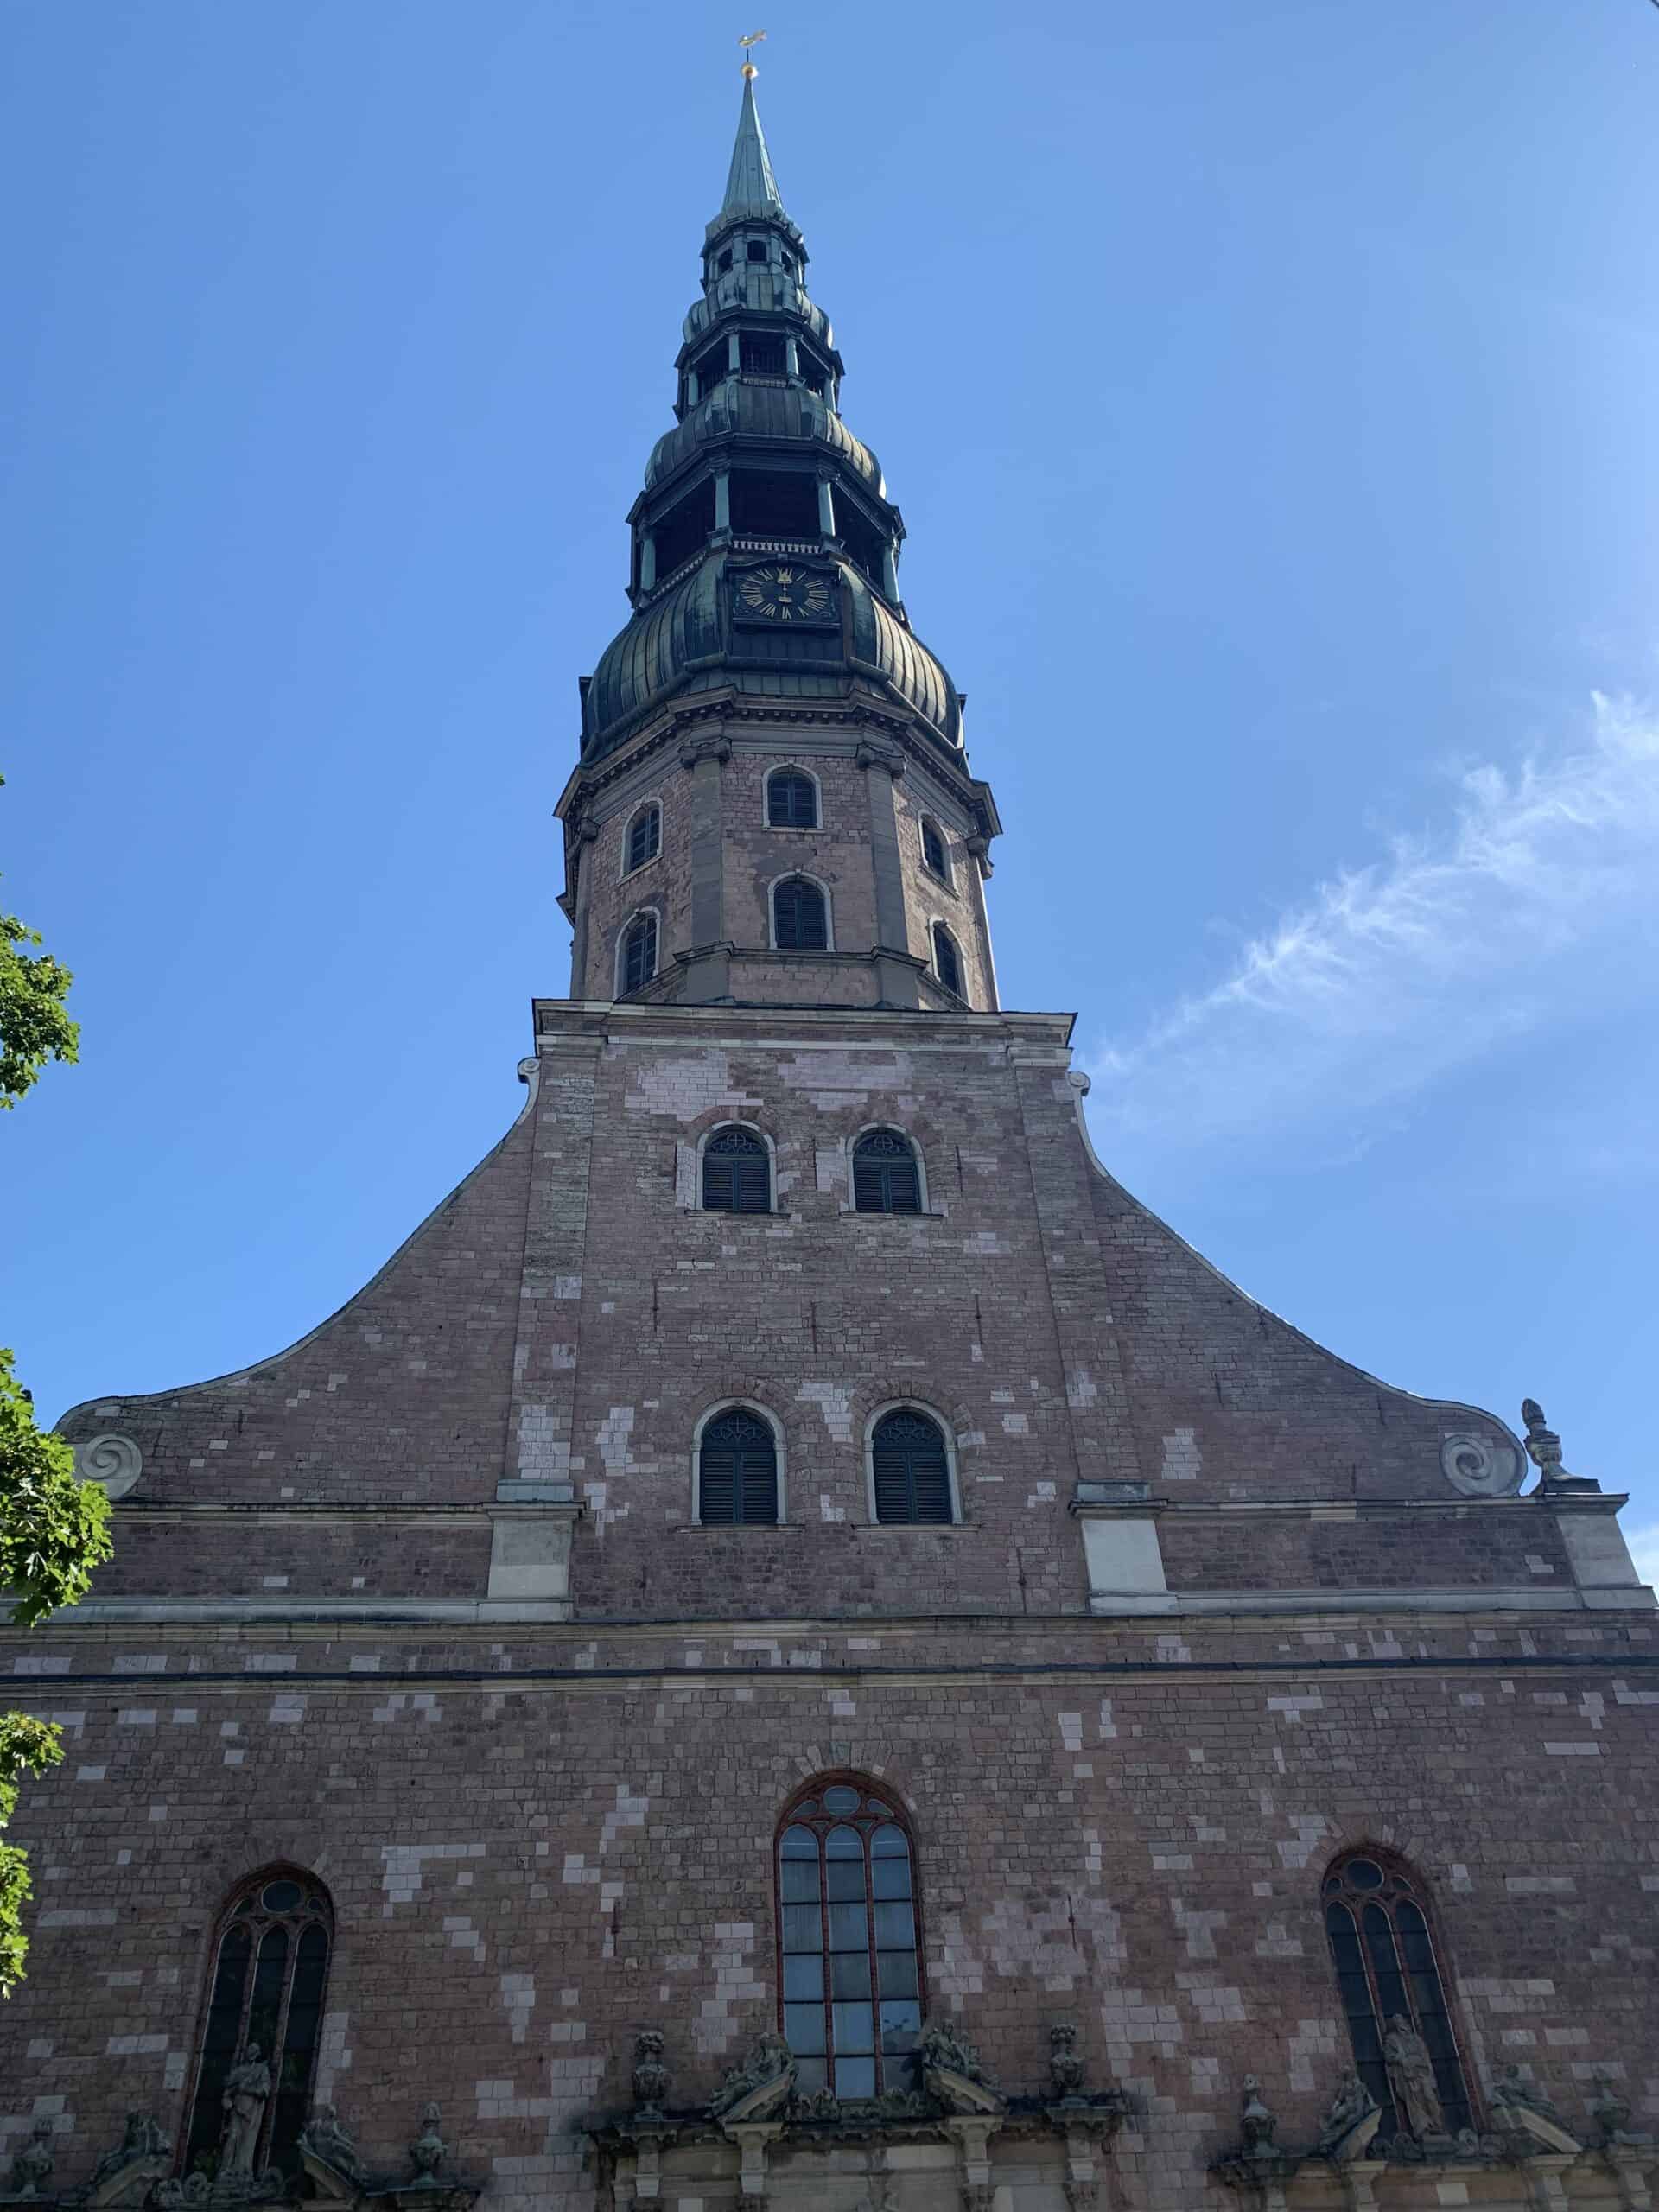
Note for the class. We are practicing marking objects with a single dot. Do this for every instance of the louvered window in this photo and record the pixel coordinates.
(912, 1472)
(645, 836)
(265, 2005)
(736, 1174)
(933, 850)
(737, 1470)
(946, 964)
(800, 918)
(792, 801)
(639, 952)
(1388, 1974)
(851, 2001)
(885, 1177)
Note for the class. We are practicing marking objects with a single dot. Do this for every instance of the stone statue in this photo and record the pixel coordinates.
(769, 2062)
(1343, 2132)
(649, 2075)
(1522, 2109)
(144, 2138)
(323, 2137)
(1510, 2090)
(939, 2045)
(31, 2167)
(247, 2092)
(1257, 2123)
(429, 2150)
(1411, 2073)
(1611, 2111)
(1064, 2066)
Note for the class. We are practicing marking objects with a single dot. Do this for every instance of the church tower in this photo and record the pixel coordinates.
(773, 804)
(796, 1650)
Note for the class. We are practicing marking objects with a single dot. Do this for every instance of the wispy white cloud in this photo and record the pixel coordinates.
(1536, 901)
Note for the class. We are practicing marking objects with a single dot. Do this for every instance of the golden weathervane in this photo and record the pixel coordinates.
(754, 39)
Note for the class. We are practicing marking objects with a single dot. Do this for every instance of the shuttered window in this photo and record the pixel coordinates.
(270, 1971)
(737, 1470)
(800, 919)
(933, 850)
(946, 964)
(645, 836)
(912, 1472)
(792, 801)
(639, 952)
(885, 1177)
(736, 1174)
(1383, 1951)
(851, 2001)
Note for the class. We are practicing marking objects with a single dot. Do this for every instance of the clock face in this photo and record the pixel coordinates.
(782, 591)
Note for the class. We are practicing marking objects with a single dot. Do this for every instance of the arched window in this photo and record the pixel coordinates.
(639, 952)
(885, 1177)
(946, 964)
(1383, 1949)
(644, 835)
(736, 1173)
(847, 1935)
(909, 1468)
(737, 1470)
(933, 851)
(800, 919)
(792, 800)
(271, 1968)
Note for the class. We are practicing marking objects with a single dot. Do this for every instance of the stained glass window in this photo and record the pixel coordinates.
(851, 1998)
(1384, 1950)
(270, 1969)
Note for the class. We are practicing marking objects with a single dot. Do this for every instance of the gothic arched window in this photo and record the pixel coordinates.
(737, 1470)
(644, 835)
(271, 1968)
(792, 800)
(800, 917)
(638, 962)
(909, 1468)
(947, 966)
(736, 1173)
(886, 1179)
(851, 1999)
(933, 851)
(1387, 1968)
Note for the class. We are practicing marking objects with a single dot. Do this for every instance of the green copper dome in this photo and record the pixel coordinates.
(760, 466)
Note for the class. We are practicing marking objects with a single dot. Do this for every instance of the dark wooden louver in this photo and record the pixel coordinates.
(792, 802)
(800, 923)
(913, 1475)
(737, 1471)
(885, 1179)
(639, 953)
(736, 1174)
(945, 963)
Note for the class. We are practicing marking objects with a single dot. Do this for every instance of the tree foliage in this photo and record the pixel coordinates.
(54, 1530)
(34, 1027)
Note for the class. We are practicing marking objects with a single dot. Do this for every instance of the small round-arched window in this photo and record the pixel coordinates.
(639, 952)
(910, 1469)
(737, 1470)
(885, 1177)
(792, 800)
(933, 851)
(800, 918)
(265, 2007)
(644, 835)
(736, 1173)
(851, 2000)
(1389, 1974)
(947, 964)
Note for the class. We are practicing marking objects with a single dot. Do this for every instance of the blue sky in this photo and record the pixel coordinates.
(1268, 389)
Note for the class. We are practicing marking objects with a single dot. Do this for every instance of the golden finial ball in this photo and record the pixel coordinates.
(749, 69)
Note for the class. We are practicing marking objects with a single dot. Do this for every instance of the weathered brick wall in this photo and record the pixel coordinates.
(1512, 1545)
(534, 1846)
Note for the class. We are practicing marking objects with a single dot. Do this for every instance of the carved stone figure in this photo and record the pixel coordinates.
(649, 2075)
(1411, 2072)
(1257, 2123)
(1521, 2108)
(940, 2045)
(247, 2092)
(144, 2138)
(31, 2168)
(1609, 2112)
(1350, 2122)
(429, 2150)
(324, 2137)
(1064, 2065)
(768, 2066)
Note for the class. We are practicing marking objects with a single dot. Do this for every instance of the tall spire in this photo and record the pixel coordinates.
(750, 183)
